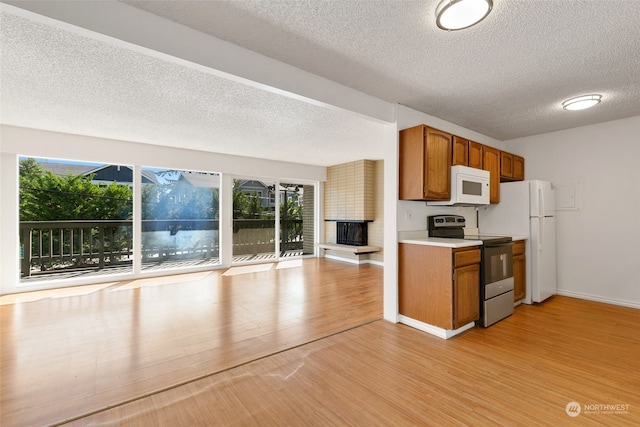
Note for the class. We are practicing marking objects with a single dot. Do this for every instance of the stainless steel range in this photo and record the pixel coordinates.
(496, 268)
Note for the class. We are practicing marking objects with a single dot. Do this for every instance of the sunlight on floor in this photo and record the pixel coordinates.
(248, 269)
(139, 283)
(289, 264)
(53, 293)
(163, 280)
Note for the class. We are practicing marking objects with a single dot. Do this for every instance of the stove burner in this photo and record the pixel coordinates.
(452, 227)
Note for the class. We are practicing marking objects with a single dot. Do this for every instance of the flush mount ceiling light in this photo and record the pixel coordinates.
(459, 14)
(581, 102)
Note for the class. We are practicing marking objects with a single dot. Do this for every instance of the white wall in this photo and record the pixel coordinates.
(597, 245)
(33, 142)
(16, 141)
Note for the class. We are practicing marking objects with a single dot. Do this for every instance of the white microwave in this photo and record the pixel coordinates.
(469, 187)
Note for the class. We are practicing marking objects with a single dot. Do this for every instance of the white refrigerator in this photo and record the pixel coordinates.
(527, 208)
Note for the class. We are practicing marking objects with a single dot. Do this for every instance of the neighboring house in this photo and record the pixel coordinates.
(188, 180)
(292, 193)
(201, 183)
(104, 174)
(263, 191)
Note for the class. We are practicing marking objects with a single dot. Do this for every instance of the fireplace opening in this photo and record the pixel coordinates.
(351, 233)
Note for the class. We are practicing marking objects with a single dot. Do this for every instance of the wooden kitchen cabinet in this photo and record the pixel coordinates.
(466, 294)
(518, 168)
(511, 167)
(475, 155)
(506, 166)
(519, 270)
(466, 153)
(491, 162)
(439, 286)
(460, 151)
(425, 164)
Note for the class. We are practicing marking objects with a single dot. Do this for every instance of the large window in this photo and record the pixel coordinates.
(180, 218)
(75, 218)
(78, 219)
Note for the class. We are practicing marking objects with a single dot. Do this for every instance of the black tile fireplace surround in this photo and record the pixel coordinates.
(352, 233)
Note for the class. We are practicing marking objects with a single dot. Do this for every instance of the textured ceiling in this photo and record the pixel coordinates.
(58, 80)
(504, 78)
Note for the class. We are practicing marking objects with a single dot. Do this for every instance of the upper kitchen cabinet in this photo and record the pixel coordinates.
(460, 151)
(506, 165)
(466, 153)
(491, 162)
(475, 155)
(518, 168)
(511, 167)
(425, 164)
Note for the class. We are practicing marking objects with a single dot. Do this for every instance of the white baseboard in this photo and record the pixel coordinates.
(434, 330)
(355, 261)
(597, 298)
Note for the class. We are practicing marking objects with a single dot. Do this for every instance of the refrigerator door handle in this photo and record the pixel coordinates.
(540, 232)
(541, 210)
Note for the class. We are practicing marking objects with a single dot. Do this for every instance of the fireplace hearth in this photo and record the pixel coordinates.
(351, 233)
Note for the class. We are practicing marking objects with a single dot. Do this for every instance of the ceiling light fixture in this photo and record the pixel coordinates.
(460, 14)
(581, 102)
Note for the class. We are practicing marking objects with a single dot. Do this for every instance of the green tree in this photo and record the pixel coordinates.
(245, 205)
(48, 197)
(254, 208)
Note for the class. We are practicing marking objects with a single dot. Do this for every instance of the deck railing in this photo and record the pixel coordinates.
(48, 246)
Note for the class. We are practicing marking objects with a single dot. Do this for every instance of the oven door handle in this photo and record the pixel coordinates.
(495, 245)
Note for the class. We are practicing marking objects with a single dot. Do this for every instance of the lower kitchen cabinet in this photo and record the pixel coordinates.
(519, 270)
(466, 295)
(438, 285)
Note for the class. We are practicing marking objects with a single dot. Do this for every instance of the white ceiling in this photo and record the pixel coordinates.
(61, 81)
(504, 78)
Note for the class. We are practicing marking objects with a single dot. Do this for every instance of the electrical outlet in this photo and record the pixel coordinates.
(407, 215)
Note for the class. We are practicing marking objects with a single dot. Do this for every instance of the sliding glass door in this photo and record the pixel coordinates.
(254, 220)
(297, 225)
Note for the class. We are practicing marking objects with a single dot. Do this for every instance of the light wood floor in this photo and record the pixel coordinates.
(302, 346)
(63, 356)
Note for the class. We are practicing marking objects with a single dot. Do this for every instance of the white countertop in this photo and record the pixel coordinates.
(439, 241)
(422, 238)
